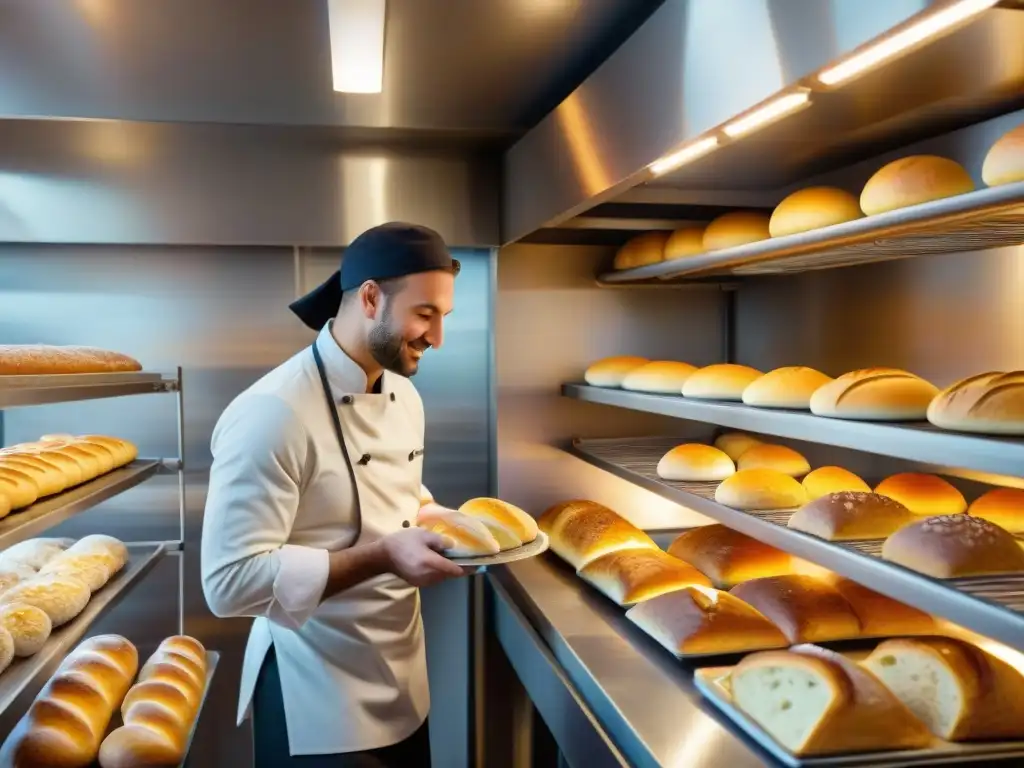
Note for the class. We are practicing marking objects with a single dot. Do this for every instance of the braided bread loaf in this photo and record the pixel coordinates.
(160, 709)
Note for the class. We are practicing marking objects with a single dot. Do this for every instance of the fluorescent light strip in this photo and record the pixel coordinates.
(357, 44)
(888, 47)
(773, 110)
(682, 156)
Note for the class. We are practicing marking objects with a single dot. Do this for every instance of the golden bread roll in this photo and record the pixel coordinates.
(629, 576)
(825, 480)
(612, 371)
(695, 463)
(72, 469)
(851, 515)
(813, 208)
(960, 692)
(912, 181)
(989, 403)
(106, 455)
(816, 702)
(510, 525)
(760, 489)
(114, 362)
(1002, 506)
(699, 620)
(875, 394)
(19, 488)
(1004, 163)
(581, 531)
(660, 377)
(469, 536)
(45, 360)
(101, 544)
(728, 557)
(685, 241)
(28, 626)
(94, 570)
(48, 478)
(61, 597)
(89, 460)
(733, 444)
(33, 553)
(881, 616)
(124, 451)
(789, 387)
(648, 248)
(723, 381)
(806, 609)
(953, 546)
(736, 228)
(183, 645)
(777, 457)
(923, 494)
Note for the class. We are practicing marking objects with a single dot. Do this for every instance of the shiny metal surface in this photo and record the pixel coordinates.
(178, 184)
(212, 660)
(43, 390)
(628, 691)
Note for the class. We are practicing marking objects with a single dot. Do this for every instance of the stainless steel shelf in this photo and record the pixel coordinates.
(18, 391)
(987, 218)
(212, 660)
(42, 665)
(990, 606)
(33, 520)
(917, 441)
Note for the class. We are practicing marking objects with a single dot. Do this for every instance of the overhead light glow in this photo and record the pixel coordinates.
(357, 44)
(768, 113)
(691, 151)
(888, 47)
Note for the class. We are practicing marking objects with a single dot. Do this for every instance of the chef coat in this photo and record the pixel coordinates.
(281, 495)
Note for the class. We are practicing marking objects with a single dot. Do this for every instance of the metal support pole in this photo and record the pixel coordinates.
(180, 399)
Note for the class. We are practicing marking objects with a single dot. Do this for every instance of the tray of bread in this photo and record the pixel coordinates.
(485, 532)
(20, 364)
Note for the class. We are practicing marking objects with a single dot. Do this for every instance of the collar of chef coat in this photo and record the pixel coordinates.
(343, 373)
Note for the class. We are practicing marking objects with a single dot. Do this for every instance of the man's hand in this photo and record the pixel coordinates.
(412, 554)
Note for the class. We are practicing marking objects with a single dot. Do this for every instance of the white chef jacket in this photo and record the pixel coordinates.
(353, 667)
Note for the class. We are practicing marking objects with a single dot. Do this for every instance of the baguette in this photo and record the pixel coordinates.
(581, 531)
(94, 570)
(61, 597)
(48, 478)
(19, 488)
(629, 576)
(32, 553)
(44, 360)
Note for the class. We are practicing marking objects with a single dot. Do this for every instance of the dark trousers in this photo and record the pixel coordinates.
(270, 735)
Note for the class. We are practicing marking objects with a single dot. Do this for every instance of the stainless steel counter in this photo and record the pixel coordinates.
(609, 694)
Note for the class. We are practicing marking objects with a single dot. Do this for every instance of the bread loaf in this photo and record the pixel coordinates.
(958, 691)
(48, 478)
(124, 451)
(825, 480)
(816, 702)
(850, 516)
(813, 208)
(61, 597)
(509, 525)
(698, 620)
(728, 557)
(93, 570)
(736, 228)
(881, 616)
(775, 457)
(19, 488)
(629, 576)
(695, 463)
(1002, 506)
(5, 504)
(581, 531)
(65, 724)
(733, 444)
(43, 360)
(760, 489)
(28, 626)
(954, 546)
(159, 711)
(101, 544)
(874, 394)
(989, 403)
(7, 648)
(612, 371)
(71, 468)
(1004, 163)
(468, 536)
(923, 494)
(724, 381)
(912, 181)
(660, 377)
(806, 609)
(648, 248)
(9, 578)
(790, 387)
(685, 241)
(33, 553)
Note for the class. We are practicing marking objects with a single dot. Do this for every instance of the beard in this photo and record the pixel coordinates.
(386, 345)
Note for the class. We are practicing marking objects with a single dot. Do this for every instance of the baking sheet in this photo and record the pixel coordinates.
(536, 547)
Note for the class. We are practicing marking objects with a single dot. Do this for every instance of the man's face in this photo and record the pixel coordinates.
(411, 320)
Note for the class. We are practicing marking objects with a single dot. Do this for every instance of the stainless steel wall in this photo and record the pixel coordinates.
(222, 314)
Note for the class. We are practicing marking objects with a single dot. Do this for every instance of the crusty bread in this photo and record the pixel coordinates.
(685, 241)
(954, 546)
(851, 515)
(48, 478)
(813, 208)
(723, 381)
(1004, 162)
(874, 394)
(912, 181)
(776, 457)
(958, 691)
(881, 616)
(28, 626)
(816, 702)
(1002, 506)
(19, 488)
(33, 553)
(41, 359)
(760, 489)
(789, 387)
(61, 597)
(989, 403)
(581, 531)
(101, 544)
(510, 525)
(644, 249)
(68, 465)
(728, 557)
(661, 377)
(923, 494)
(736, 228)
(94, 570)
(699, 620)
(629, 576)
(612, 371)
(5, 504)
(825, 480)
(468, 536)
(806, 609)
(733, 444)
(124, 451)
(695, 463)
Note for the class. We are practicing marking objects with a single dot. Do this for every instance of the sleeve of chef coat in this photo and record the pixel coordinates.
(248, 569)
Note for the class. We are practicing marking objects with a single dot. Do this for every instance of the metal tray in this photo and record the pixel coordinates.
(212, 660)
(534, 548)
(71, 387)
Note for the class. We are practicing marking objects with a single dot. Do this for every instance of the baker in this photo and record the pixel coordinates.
(316, 480)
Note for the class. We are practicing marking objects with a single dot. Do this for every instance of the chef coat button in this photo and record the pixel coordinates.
(365, 459)
(347, 399)
(405, 523)
(392, 397)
